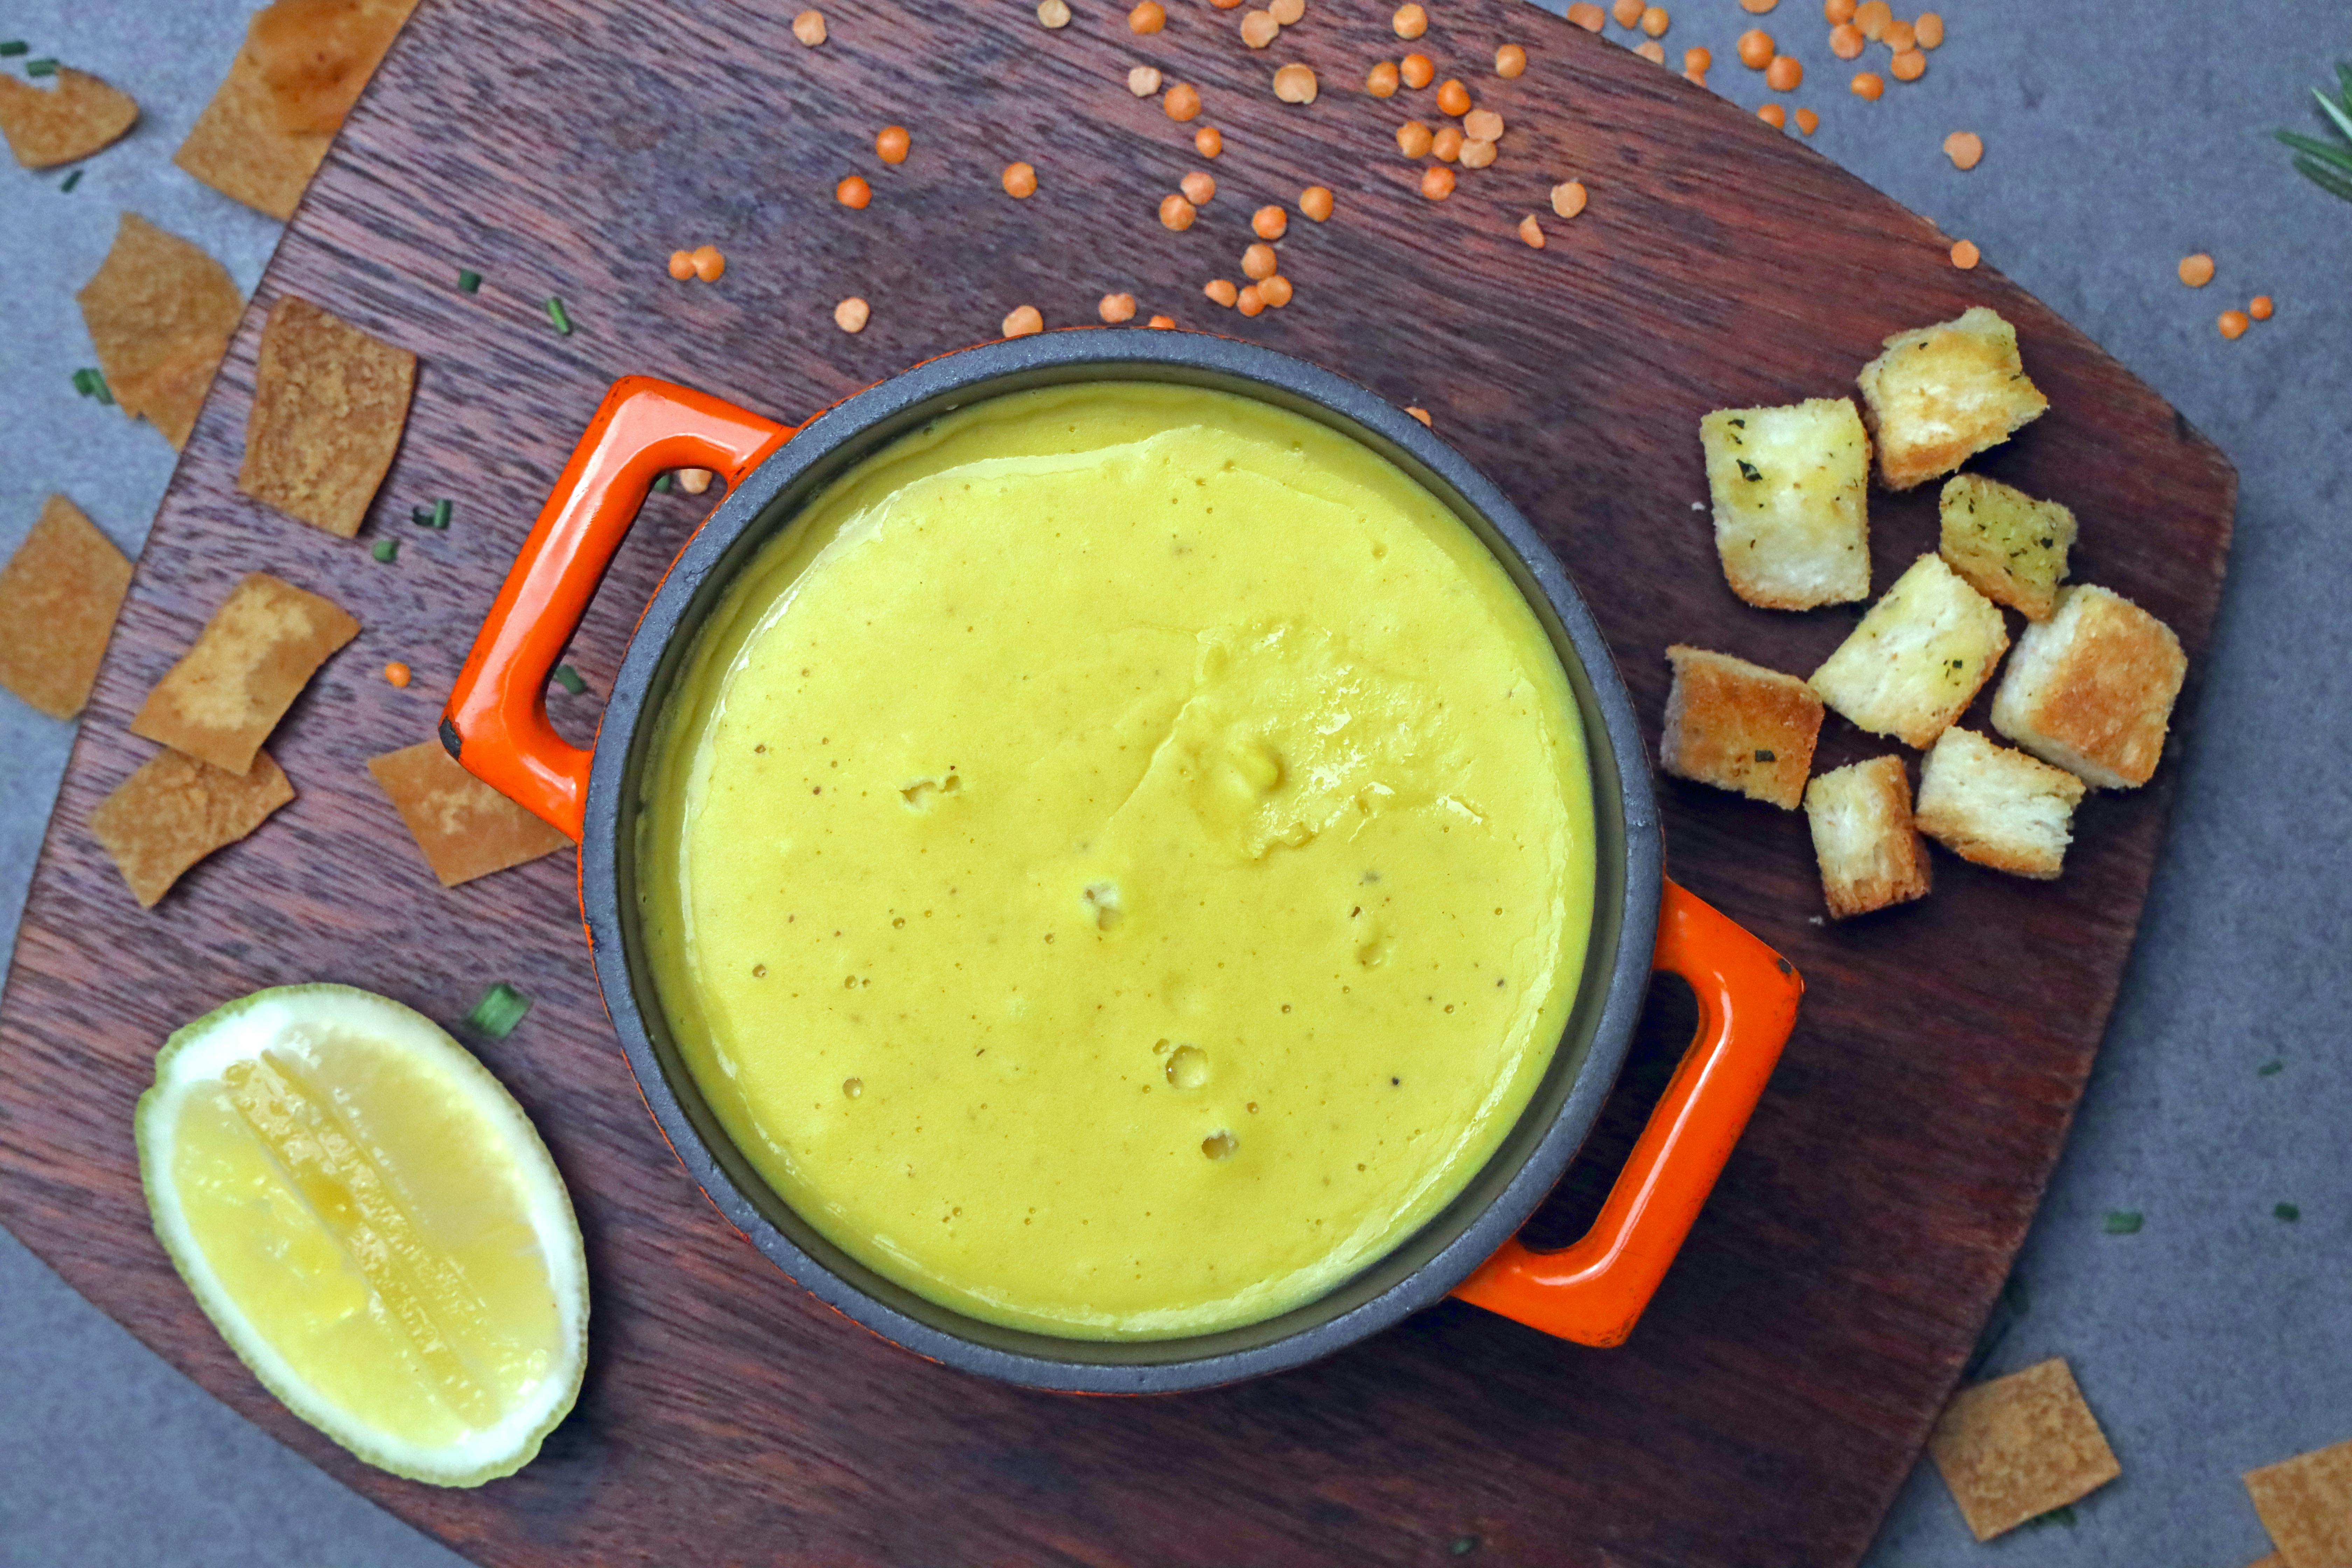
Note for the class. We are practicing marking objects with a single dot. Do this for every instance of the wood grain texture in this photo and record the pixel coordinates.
(1778, 1392)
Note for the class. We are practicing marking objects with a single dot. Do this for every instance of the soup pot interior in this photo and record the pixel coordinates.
(1425, 1266)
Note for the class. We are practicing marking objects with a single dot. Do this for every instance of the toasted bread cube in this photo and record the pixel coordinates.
(1995, 806)
(1789, 487)
(1939, 395)
(1918, 656)
(1739, 727)
(1871, 856)
(2092, 688)
(2010, 547)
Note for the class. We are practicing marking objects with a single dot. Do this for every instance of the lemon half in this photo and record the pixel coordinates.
(373, 1225)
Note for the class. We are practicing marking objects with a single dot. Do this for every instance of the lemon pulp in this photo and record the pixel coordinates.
(373, 1225)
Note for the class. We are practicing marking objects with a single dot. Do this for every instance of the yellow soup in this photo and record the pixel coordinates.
(1121, 860)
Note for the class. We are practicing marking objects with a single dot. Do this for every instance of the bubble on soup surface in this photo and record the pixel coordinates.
(1188, 1067)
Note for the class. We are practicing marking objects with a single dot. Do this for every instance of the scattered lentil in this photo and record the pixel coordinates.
(1453, 98)
(1199, 187)
(1290, 13)
(1699, 59)
(1837, 13)
(1208, 142)
(1928, 30)
(1417, 71)
(1314, 201)
(1222, 291)
(1773, 115)
(1419, 413)
(1808, 121)
(2261, 307)
(1162, 322)
(1477, 153)
(1143, 80)
(1269, 223)
(1482, 125)
(1868, 84)
(1296, 84)
(1249, 301)
(1872, 17)
(1381, 81)
(1965, 149)
(2233, 324)
(694, 481)
(1176, 213)
(1020, 181)
(2196, 270)
(397, 673)
(1182, 102)
(1756, 48)
(1118, 308)
(1656, 21)
(1410, 21)
(892, 144)
(1785, 74)
(1568, 199)
(1510, 60)
(1275, 290)
(1446, 145)
(1023, 321)
(1413, 139)
(1652, 50)
(1149, 16)
(854, 192)
(1846, 41)
(1758, 7)
(1697, 79)
(708, 264)
(1908, 66)
(1587, 15)
(1437, 182)
(1259, 29)
(1532, 232)
(809, 28)
(1628, 13)
(1965, 255)
(852, 314)
(1053, 12)
(681, 265)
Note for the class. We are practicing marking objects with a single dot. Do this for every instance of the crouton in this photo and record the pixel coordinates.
(2092, 688)
(1995, 806)
(1918, 656)
(1789, 487)
(1739, 727)
(1940, 395)
(2010, 547)
(1870, 854)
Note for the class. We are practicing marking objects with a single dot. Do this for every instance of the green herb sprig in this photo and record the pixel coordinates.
(2327, 165)
(500, 1010)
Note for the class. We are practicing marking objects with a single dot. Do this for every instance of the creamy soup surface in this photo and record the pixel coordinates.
(1122, 860)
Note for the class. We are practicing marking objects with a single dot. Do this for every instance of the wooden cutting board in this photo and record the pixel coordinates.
(1779, 1389)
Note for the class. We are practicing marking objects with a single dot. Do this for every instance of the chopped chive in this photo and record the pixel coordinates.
(2062, 1515)
(569, 679)
(556, 313)
(387, 549)
(1464, 1545)
(441, 510)
(2270, 1069)
(71, 182)
(2123, 1222)
(99, 390)
(12, 47)
(468, 280)
(662, 483)
(422, 515)
(81, 381)
(500, 1010)
(2286, 1212)
(46, 66)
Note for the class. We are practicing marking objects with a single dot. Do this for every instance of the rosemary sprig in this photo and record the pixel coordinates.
(2327, 165)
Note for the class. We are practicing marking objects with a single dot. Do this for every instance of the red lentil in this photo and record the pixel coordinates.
(2232, 323)
(1222, 291)
(1269, 222)
(397, 673)
(1118, 308)
(1314, 201)
(1510, 60)
(1437, 182)
(1965, 255)
(854, 192)
(1023, 321)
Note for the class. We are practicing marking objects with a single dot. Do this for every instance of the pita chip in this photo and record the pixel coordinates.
(465, 828)
(175, 810)
(248, 664)
(160, 312)
(2015, 1448)
(328, 404)
(59, 596)
(49, 126)
(2306, 1503)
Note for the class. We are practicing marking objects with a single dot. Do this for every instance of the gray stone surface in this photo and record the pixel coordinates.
(2217, 1339)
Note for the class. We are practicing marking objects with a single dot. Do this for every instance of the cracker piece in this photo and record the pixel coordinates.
(329, 404)
(59, 596)
(1870, 855)
(248, 664)
(2306, 1503)
(465, 828)
(1940, 395)
(1739, 727)
(160, 312)
(175, 810)
(2010, 548)
(1996, 807)
(1789, 487)
(2092, 688)
(270, 123)
(47, 126)
(2015, 1448)
(1918, 658)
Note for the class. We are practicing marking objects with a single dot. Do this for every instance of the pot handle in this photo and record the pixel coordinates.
(495, 724)
(1594, 1290)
